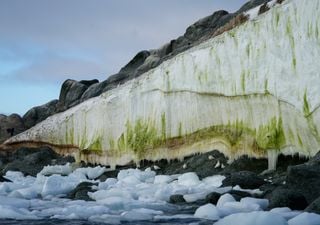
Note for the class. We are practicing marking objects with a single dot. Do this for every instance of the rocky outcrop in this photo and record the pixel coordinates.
(31, 161)
(70, 95)
(10, 126)
(245, 179)
(71, 92)
(40, 113)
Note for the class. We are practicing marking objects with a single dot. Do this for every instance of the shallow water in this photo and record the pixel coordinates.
(81, 222)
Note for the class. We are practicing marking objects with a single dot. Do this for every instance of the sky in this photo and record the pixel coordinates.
(44, 42)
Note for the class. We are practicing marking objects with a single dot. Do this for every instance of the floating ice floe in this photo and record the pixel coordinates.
(135, 195)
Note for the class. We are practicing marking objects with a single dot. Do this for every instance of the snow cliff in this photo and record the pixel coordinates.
(251, 90)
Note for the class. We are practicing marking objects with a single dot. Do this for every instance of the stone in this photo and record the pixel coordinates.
(71, 92)
(10, 126)
(314, 207)
(212, 198)
(238, 195)
(305, 178)
(198, 163)
(286, 197)
(39, 113)
(30, 161)
(81, 192)
(175, 199)
(3, 179)
(245, 179)
(246, 163)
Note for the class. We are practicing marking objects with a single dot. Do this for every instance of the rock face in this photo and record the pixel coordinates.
(10, 126)
(40, 113)
(70, 94)
(251, 90)
(245, 179)
(31, 161)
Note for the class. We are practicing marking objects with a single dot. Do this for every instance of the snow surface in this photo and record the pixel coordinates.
(135, 195)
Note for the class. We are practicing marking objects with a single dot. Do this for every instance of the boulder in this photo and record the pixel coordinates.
(286, 197)
(245, 163)
(3, 179)
(314, 207)
(305, 178)
(238, 195)
(39, 113)
(213, 198)
(71, 92)
(10, 126)
(175, 199)
(31, 161)
(245, 179)
(81, 192)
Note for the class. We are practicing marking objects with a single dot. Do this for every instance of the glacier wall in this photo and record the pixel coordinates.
(252, 90)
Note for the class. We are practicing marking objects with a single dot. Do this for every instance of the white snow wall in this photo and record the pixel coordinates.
(252, 90)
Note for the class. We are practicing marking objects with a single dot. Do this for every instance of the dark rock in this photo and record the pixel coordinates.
(81, 192)
(283, 197)
(251, 4)
(238, 195)
(305, 178)
(10, 126)
(95, 90)
(31, 161)
(315, 160)
(70, 94)
(213, 198)
(130, 69)
(314, 207)
(109, 174)
(3, 179)
(39, 113)
(285, 161)
(245, 163)
(245, 179)
(202, 164)
(175, 199)
(88, 83)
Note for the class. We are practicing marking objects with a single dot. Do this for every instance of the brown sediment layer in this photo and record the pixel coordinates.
(60, 149)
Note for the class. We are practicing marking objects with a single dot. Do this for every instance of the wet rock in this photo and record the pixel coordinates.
(10, 126)
(245, 179)
(175, 199)
(285, 197)
(238, 195)
(203, 165)
(305, 178)
(245, 163)
(39, 113)
(3, 179)
(314, 207)
(213, 198)
(31, 161)
(81, 192)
